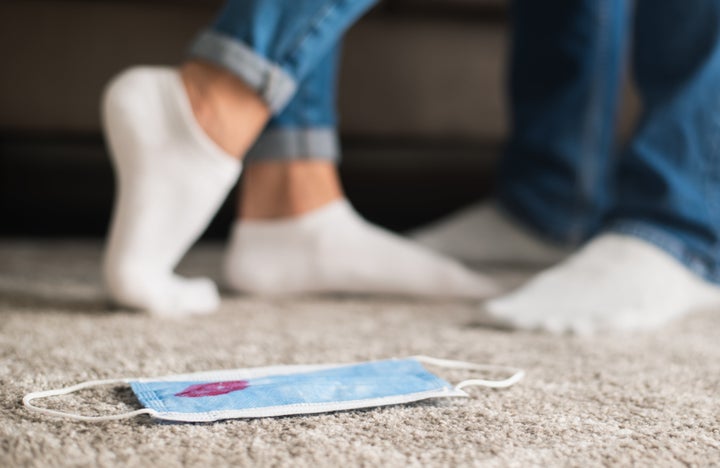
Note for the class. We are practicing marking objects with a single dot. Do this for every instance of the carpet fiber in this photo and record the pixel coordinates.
(649, 399)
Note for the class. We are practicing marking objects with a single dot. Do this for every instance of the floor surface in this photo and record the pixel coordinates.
(647, 400)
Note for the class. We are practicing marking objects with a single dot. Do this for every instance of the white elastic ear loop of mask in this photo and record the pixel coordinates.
(517, 374)
(78, 417)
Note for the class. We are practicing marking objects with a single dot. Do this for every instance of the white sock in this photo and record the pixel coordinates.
(171, 180)
(334, 250)
(616, 282)
(482, 234)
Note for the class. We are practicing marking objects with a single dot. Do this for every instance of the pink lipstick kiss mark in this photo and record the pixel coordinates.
(213, 389)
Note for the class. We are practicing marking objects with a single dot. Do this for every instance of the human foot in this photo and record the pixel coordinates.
(616, 282)
(333, 250)
(276, 190)
(229, 112)
(482, 234)
(171, 179)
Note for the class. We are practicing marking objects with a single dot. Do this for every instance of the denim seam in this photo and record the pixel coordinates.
(273, 84)
(284, 144)
(313, 29)
(710, 184)
(593, 131)
(304, 97)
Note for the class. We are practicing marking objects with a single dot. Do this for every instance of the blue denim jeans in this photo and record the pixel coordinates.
(288, 51)
(307, 127)
(562, 175)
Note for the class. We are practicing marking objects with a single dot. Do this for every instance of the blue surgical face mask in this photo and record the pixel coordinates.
(287, 390)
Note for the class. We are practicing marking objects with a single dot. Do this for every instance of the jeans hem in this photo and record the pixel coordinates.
(555, 238)
(701, 266)
(273, 84)
(286, 144)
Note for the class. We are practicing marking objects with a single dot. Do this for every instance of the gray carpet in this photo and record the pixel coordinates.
(646, 400)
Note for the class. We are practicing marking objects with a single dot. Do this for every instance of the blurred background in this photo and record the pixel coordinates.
(422, 105)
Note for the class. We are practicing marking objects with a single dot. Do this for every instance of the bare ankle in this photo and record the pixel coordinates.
(273, 190)
(230, 112)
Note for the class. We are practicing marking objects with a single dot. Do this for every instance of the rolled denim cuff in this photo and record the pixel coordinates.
(273, 84)
(284, 144)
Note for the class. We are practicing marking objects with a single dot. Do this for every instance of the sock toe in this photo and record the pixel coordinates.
(482, 233)
(196, 296)
(333, 250)
(616, 282)
(462, 282)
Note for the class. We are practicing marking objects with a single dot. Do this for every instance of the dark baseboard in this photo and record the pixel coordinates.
(62, 185)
